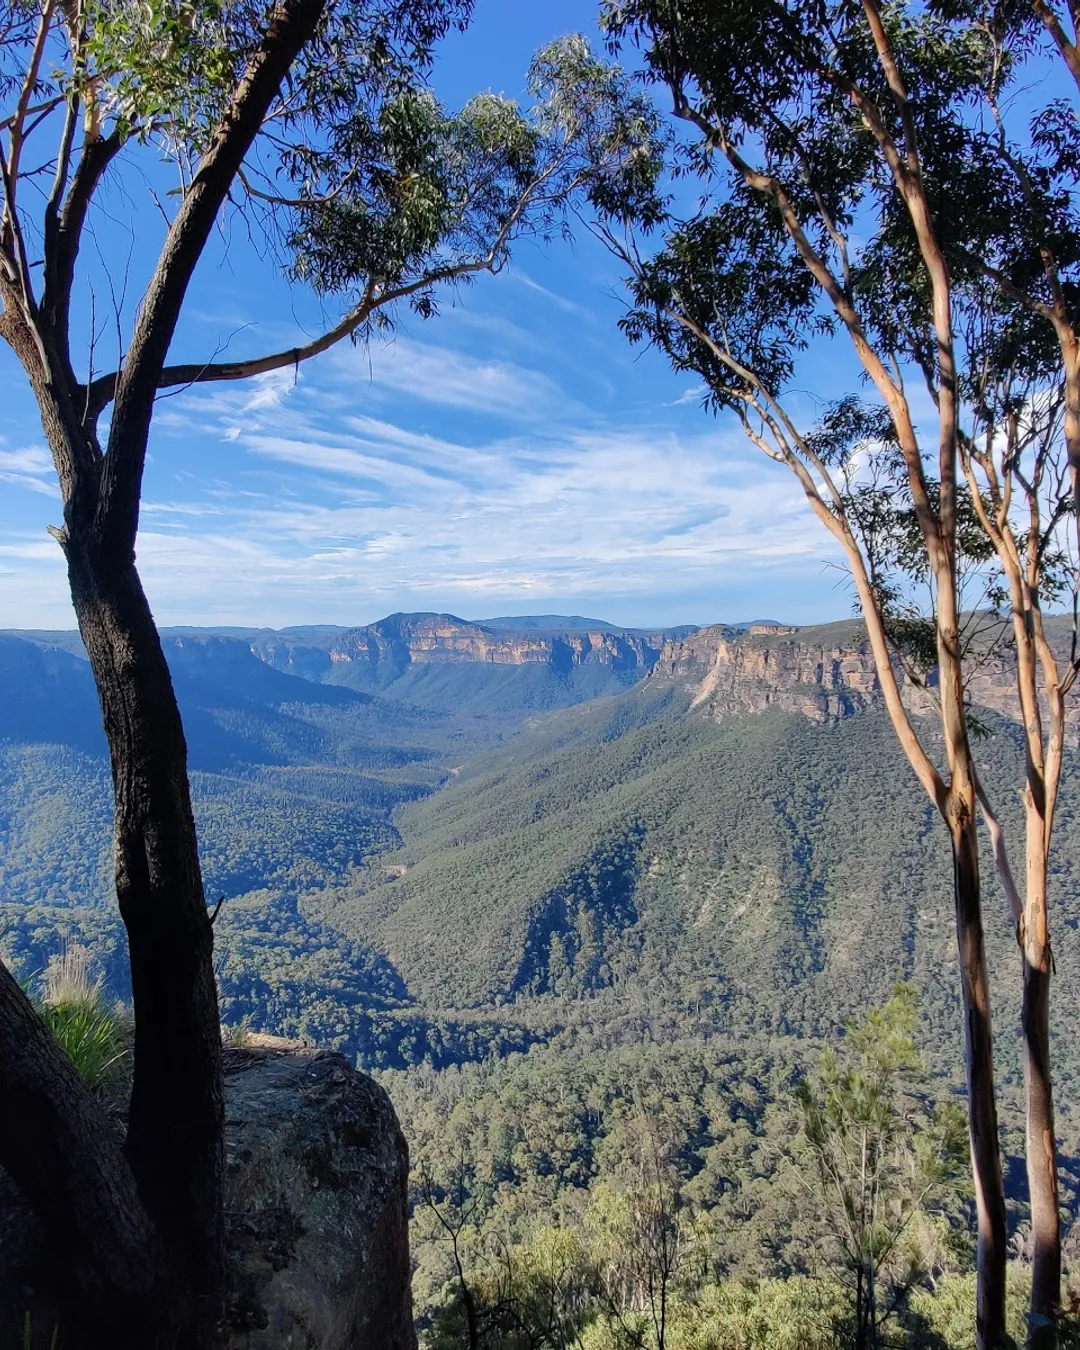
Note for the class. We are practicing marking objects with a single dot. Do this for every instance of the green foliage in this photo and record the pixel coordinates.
(662, 1199)
(793, 1314)
(93, 1034)
(159, 66)
(165, 69)
(294, 784)
(945, 1315)
(803, 229)
(883, 1157)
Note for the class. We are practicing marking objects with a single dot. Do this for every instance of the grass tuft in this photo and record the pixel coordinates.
(92, 1033)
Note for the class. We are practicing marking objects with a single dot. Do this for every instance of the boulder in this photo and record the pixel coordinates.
(317, 1195)
(316, 1199)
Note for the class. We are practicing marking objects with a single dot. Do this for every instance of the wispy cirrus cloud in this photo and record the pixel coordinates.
(30, 467)
(455, 379)
(337, 492)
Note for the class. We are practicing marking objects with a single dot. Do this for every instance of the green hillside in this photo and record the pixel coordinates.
(680, 912)
(763, 874)
(294, 782)
(550, 923)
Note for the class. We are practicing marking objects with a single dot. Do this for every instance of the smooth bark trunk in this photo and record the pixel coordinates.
(1034, 936)
(982, 1109)
(1038, 1086)
(174, 1140)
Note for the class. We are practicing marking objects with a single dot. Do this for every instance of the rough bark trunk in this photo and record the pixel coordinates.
(982, 1109)
(57, 1146)
(174, 1141)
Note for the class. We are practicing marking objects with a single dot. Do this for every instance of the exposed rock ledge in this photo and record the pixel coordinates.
(317, 1175)
(825, 673)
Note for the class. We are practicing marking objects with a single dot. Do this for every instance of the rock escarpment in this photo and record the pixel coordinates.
(393, 644)
(824, 673)
(730, 673)
(316, 1196)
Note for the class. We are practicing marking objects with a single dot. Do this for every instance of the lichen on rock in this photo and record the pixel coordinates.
(317, 1182)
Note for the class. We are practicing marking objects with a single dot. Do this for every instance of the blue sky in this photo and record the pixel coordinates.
(512, 455)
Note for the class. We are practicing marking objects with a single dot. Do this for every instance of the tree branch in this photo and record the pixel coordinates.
(1001, 856)
(17, 127)
(292, 24)
(1065, 46)
(101, 391)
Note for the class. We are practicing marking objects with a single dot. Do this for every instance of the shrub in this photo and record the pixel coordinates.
(93, 1034)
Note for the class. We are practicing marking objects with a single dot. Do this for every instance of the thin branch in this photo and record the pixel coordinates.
(17, 128)
(1001, 856)
(291, 26)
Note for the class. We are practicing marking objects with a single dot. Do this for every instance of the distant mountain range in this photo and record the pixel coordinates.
(516, 665)
(485, 826)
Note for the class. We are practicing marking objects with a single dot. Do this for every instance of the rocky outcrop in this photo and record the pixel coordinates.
(732, 673)
(317, 1177)
(824, 673)
(389, 647)
(317, 1172)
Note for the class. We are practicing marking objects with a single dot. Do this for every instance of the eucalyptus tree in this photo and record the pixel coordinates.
(1015, 246)
(312, 121)
(820, 137)
(881, 1157)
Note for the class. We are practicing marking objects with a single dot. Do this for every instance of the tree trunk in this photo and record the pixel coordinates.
(1033, 933)
(871, 1306)
(174, 1139)
(56, 1144)
(982, 1110)
(1035, 1020)
(1041, 1160)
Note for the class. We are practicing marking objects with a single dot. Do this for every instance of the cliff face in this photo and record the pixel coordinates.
(394, 643)
(732, 673)
(824, 674)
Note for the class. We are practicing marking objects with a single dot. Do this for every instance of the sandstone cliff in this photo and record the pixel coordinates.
(824, 673)
(389, 647)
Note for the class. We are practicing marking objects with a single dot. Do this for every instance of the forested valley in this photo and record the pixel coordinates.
(590, 968)
(719, 979)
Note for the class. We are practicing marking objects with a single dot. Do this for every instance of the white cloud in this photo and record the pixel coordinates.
(559, 301)
(454, 379)
(31, 468)
(568, 516)
(24, 480)
(694, 395)
(32, 459)
(315, 508)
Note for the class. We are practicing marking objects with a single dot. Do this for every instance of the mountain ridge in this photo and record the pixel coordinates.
(827, 672)
(376, 655)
